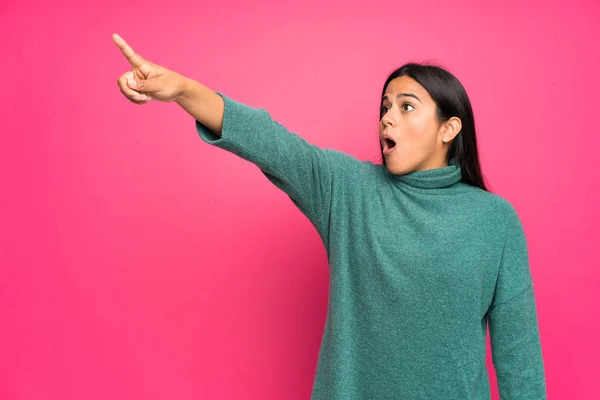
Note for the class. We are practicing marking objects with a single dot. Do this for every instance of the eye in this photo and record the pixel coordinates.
(409, 105)
(383, 110)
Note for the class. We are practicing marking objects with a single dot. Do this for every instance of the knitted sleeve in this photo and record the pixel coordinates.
(303, 171)
(513, 323)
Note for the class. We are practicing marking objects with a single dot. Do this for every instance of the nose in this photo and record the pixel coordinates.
(387, 121)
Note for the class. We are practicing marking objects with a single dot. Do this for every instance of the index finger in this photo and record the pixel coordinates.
(134, 59)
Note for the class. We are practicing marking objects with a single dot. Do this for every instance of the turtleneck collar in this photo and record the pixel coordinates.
(432, 178)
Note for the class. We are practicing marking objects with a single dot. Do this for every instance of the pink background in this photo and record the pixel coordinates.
(137, 262)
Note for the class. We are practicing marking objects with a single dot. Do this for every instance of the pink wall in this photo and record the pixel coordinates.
(137, 262)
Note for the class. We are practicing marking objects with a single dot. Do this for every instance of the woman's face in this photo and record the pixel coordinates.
(409, 118)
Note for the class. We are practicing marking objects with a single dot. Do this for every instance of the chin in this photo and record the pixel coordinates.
(397, 168)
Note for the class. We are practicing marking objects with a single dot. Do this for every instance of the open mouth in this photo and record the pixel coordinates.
(388, 145)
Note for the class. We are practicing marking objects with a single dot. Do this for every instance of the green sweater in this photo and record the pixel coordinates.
(419, 265)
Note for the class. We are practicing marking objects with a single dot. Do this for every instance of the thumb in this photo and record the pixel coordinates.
(145, 85)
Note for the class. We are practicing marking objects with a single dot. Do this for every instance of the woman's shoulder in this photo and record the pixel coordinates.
(343, 163)
(499, 209)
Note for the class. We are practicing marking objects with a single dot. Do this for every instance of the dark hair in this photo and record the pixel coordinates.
(451, 100)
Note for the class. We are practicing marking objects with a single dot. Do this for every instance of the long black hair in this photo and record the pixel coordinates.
(451, 100)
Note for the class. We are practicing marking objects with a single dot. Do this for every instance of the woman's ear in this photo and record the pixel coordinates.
(451, 128)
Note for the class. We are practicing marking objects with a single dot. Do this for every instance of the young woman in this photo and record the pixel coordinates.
(422, 257)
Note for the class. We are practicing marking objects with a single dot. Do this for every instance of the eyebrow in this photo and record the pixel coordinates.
(403, 94)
